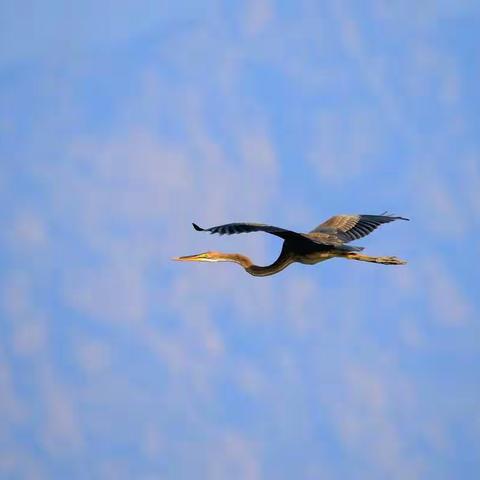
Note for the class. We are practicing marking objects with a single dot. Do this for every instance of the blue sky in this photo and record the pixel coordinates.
(124, 122)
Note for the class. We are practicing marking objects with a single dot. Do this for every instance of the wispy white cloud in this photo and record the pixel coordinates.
(258, 15)
(237, 459)
(14, 409)
(344, 145)
(29, 232)
(448, 303)
(369, 425)
(441, 208)
(61, 426)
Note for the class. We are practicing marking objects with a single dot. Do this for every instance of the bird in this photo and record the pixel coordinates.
(327, 240)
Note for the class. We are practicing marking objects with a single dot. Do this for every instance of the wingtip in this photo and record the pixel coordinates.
(197, 228)
(393, 216)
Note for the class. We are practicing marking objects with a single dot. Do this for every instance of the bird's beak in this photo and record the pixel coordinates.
(199, 257)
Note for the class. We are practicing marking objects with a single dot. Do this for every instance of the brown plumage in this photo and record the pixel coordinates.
(326, 241)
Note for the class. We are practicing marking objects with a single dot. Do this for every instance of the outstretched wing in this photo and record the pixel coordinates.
(232, 228)
(351, 227)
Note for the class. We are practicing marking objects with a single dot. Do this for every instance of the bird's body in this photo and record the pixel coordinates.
(313, 258)
(326, 241)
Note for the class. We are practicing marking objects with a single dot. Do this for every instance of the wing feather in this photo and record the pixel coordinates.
(352, 227)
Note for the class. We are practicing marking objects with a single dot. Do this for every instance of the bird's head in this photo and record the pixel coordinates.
(202, 257)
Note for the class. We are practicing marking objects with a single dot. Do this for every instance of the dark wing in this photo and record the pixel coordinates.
(232, 228)
(351, 227)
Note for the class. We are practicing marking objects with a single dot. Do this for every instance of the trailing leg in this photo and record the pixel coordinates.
(366, 258)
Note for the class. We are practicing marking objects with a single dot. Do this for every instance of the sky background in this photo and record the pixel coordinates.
(123, 122)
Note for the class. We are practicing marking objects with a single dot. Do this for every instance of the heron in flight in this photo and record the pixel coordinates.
(326, 241)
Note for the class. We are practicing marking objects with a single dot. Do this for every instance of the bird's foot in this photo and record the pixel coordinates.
(391, 261)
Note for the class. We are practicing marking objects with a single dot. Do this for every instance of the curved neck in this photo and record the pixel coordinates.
(283, 261)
